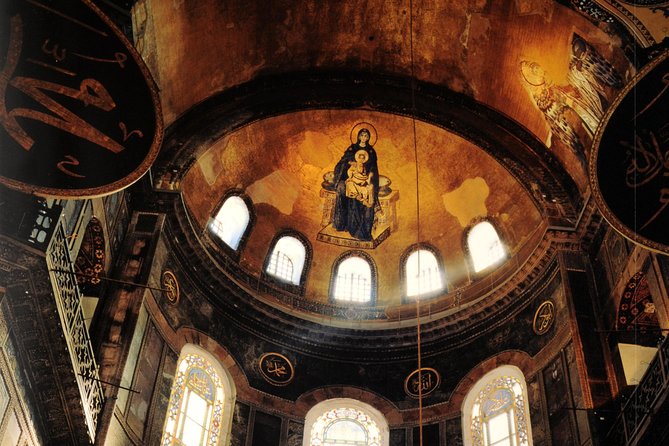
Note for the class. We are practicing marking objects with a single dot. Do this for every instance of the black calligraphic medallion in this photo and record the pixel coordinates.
(79, 112)
(170, 286)
(422, 384)
(544, 317)
(276, 369)
(629, 164)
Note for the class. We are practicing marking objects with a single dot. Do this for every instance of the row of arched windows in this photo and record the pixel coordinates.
(354, 272)
(494, 412)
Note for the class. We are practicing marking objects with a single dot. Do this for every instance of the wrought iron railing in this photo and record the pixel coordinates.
(68, 300)
(651, 391)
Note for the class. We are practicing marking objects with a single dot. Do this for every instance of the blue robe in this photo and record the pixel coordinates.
(350, 214)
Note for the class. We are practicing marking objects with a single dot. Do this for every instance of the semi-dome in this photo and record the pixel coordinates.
(282, 167)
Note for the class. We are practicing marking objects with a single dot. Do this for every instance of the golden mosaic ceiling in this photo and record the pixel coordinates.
(506, 57)
(280, 163)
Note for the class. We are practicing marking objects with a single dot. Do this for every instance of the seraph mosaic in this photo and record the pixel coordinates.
(573, 111)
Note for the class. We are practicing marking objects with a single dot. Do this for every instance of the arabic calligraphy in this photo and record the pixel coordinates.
(58, 56)
(498, 400)
(648, 160)
(544, 317)
(170, 286)
(422, 382)
(90, 92)
(630, 163)
(665, 80)
(71, 161)
(276, 369)
(75, 102)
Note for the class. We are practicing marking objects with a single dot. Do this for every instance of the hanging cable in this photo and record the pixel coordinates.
(418, 235)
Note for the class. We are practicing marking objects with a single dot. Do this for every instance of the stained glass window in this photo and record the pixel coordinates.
(345, 425)
(353, 280)
(495, 411)
(196, 408)
(287, 260)
(422, 273)
(231, 221)
(485, 247)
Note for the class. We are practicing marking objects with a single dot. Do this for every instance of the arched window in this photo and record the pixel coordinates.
(495, 411)
(422, 273)
(345, 421)
(200, 408)
(485, 247)
(231, 221)
(353, 280)
(287, 259)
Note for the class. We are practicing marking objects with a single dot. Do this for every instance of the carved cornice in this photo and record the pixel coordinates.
(235, 296)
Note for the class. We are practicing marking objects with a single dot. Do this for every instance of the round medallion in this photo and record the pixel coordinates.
(628, 163)
(276, 369)
(80, 112)
(170, 287)
(423, 383)
(544, 317)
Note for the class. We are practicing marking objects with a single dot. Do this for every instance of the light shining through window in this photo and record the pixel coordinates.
(231, 221)
(195, 410)
(495, 410)
(422, 273)
(353, 282)
(287, 260)
(485, 247)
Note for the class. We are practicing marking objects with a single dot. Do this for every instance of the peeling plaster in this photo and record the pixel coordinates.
(279, 189)
(467, 201)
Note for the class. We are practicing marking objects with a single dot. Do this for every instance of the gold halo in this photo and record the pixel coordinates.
(527, 63)
(362, 152)
(373, 136)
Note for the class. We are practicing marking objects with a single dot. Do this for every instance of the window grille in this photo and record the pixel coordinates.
(231, 221)
(287, 260)
(195, 411)
(353, 288)
(353, 282)
(280, 266)
(485, 247)
(422, 273)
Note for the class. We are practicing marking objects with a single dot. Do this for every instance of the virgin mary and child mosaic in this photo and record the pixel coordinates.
(359, 206)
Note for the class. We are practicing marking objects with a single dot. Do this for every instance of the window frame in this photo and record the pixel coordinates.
(468, 255)
(475, 399)
(326, 406)
(217, 240)
(308, 255)
(403, 273)
(373, 276)
(226, 386)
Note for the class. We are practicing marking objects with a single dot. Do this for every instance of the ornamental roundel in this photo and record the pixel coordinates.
(276, 369)
(544, 318)
(423, 383)
(170, 287)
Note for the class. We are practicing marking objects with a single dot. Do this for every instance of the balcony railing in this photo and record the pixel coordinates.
(68, 300)
(646, 398)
